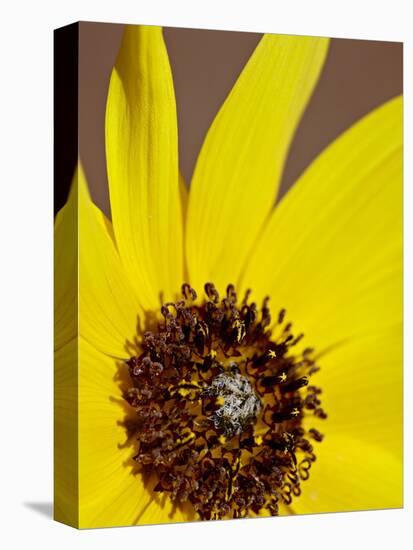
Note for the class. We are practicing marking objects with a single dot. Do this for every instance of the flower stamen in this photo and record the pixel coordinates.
(220, 404)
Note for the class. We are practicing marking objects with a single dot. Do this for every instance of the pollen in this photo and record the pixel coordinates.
(220, 391)
(238, 403)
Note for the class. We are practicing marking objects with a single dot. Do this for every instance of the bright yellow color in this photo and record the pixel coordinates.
(239, 166)
(330, 253)
(65, 271)
(347, 202)
(66, 482)
(350, 475)
(66, 442)
(109, 308)
(362, 390)
(106, 466)
(142, 161)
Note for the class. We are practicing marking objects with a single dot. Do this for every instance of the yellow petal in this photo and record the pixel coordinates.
(65, 271)
(239, 167)
(109, 309)
(362, 384)
(111, 493)
(349, 475)
(332, 251)
(66, 489)
(142, 161)
(184, 196)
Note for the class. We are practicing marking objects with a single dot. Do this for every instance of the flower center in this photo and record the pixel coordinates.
(222, 405)
(240, 403)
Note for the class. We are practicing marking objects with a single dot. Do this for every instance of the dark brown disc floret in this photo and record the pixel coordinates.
(220, 399)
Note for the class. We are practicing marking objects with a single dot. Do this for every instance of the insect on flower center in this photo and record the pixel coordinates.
(223, 402)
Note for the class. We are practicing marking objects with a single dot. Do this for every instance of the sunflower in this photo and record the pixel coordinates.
(230, 358)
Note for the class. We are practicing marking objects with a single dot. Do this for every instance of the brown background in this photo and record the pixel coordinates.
(358, 76)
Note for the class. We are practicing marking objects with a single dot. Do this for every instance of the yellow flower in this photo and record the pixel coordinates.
(330, 253)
